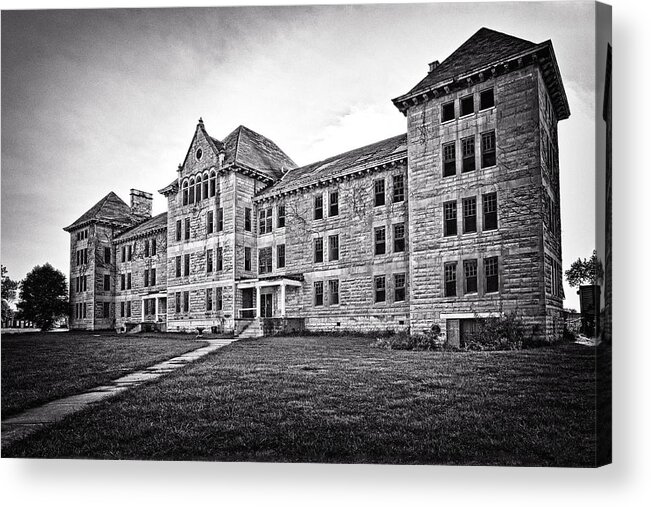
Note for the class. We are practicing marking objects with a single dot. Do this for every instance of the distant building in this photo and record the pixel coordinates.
(458, 218)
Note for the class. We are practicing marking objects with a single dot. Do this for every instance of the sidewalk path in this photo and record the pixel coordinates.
(21, 425)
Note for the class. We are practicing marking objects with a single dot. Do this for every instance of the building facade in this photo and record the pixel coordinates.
(457, 219)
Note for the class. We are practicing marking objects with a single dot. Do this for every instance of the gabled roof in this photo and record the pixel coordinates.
(109, 209)
(147, 227)
(248, 149)
(393, 148)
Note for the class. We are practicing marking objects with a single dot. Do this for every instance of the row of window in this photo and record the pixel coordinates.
(214, 223)
(196, 189)
(556, 279)
(467, 105)
(399, 243)
(380, 290)
(469, 214)
(81, 283)
(82, 234)
(552, 216)
(468, 162)
(213, 300)
(80, 310)
(82, 256)
(491, 276)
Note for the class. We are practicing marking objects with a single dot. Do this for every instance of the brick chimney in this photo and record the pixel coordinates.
(433, 65)
(141, 203)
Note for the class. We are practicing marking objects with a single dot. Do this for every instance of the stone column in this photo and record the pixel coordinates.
(257, 301)
(156, 316)
(142, 310)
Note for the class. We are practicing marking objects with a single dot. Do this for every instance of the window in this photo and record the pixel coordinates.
(318, 293)
(177, 302)
(153, 247)
(84, 284)
(213, 184)
(197, 189)
(153, 277)
(486, 99)
(467, 105)
(380, 240)
(490, 211)
(447, 111)
(264, 221)
(378, 187)
(281, 216)
(264, 260)
(185, 193)
(106, 310)
(247, 219)
(186, 301)
(83, 309)
(186, 265)
(468, 150)
(208, 300)
(146, 243)
(209, 260)
(398, 188)
(128, 281)
(205, 188)
(210, 222)
(333, 250)
(178, 230)
(491, 274)
(122, 309)
(128, 309)
(191, 193)
(280, 256)
(247, 258)
(380, 289)
(399, 289)
(124, 254)
(470, 276)
(107, 255)
(218, 297)
(123, 281)
(450, 276)
(334, 203)
(469, 214)
(146, 276)
(318, 207)
(187, 228)
(450, 218)
(449, 159)
(220, 258)
(220, 220)
(129, 252)
(399, 237)
(318, 249)
(333, 290)
(107, 282)
(488, 149)
(178, 266)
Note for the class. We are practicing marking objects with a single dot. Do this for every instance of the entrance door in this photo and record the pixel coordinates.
(266, 305)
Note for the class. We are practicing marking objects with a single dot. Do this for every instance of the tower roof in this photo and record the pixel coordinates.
(109, 209)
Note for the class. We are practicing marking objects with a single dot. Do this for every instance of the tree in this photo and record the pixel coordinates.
(44, 296)
(9, 287)
(585, 271)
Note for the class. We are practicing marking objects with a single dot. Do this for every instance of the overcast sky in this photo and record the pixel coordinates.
(101, 100)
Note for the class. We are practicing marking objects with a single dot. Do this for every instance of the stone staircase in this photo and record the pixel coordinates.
(253, 330)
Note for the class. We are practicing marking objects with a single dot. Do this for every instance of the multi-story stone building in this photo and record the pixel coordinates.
(457, 219)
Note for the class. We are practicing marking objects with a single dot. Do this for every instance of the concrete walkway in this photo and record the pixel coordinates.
(21, 425)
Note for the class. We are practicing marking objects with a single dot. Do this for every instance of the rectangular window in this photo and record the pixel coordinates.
(280, 256)
(153, 277)
(318, 249)
(186, 265)
(470, 276)
(490, 211)
(153, 247)
(106, 310)
(399, 287)
(318, 293)
(399, 237)
(177, 302)
(128, 309)
(129, 253)
(264, 260)
(491, 274)
(178, 230)
(398, 188)
(449, 159)
(318, 207)
(450, 277)
(486, 99)
(210, 222)
(468, 152)
(124, 254)
(488, 149)
(209, 260)
(123, 281)
(218, 297)
(84, 280)
(220, 219)
(187, 228)
(247, 258)
(378, 188)
(107, 255)
(469, 214)
(333, 248)
(281, 216)
(467, 105)
(265, 221)
(128, 281)
(178, 266)
(247, 219)
(122, 309)
(186, 301)
(220, 258)
(380, 240)
(380, 289)
(85, 255)
(450, 218)
(208, 300)
(107, 282)
(146, 276)
(447, 111)
(146, 248)
(333, 290)
(334, 203)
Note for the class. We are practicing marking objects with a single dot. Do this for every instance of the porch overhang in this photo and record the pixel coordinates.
(274, 282)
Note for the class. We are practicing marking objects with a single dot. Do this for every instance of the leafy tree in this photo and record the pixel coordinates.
(585, 271)
(9, 287)
(44, 296)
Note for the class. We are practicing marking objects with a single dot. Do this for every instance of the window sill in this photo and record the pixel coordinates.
(447, 121)
(466, 116)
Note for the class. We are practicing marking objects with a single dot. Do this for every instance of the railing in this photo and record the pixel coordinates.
(247, 313)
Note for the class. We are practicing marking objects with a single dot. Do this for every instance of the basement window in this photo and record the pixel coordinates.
(447, 112)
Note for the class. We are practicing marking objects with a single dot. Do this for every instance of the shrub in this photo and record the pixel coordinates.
(405, 341)
(508, 332)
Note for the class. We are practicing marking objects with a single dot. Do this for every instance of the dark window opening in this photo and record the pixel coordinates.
(210, 221)
(468, 151)
(186, 265)
(264, 260)
(209, 261)
(187, 228)
(450, 218)
(281, 216)
(467, 105)
(333, 252)
(470, 215)
(334, 204)
(490, 211)
(398, 188)
(380, 289)
(107, 255)
(318, 249)
(280, 256)
(449, 159)
(219, 253)
(247, 219)
(186, 301)
(380, 240)
(399, 289)
(379, 192)
(178, 230)
(486, 99)
(220, 219)
(488, 149)
(450, 277)
(318, 207)
(247, 258)
(107, 282)
(399, 238)
(470, 274)
(318, 293)
(491, 273)
(447, 111)
(334, 292)
(178, 266)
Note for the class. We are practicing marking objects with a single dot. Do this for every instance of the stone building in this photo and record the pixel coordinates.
(457, 219)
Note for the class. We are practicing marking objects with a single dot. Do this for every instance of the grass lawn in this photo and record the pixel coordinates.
(40, 367)
(327, 399)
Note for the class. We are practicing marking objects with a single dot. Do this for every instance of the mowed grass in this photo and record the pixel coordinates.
(325, 399)
(40, 367)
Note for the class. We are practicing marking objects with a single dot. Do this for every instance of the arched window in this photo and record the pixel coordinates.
(198, 189)
(191, 198)
(213, 183)
(185, 192)
(205, 186)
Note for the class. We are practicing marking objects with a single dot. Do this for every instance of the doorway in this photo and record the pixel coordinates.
(266, 305)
